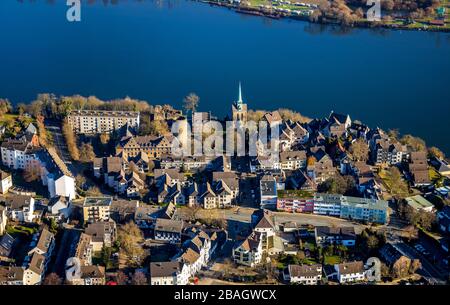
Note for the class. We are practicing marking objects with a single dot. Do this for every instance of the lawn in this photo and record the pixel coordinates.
(332, 260)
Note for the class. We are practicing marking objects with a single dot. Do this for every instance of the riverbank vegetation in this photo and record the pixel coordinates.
(401, 14)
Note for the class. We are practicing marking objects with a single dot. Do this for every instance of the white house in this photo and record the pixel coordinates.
(168, 273)
(350, 272)
(55, 175)
(249, 251)
(304, 274)
(59, 208)
(20, 208)
(40, 253)
(18, 153)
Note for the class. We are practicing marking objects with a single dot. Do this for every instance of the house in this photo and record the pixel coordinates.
(266, 229)
(7, 243)
(168, 273)
(303, 274)
(249, 251)
(84, 249)
(419, 203)
(40, 255)
(96, 209)
(102, 233)
(11, 275)
(168, 230)
(230, 180)
(59, 208)
(268, 192)
(55, 174)
(20, 208)
(418, 168)
(350, 272)
(320, 166)
(18, 153)
(122, 211)
(442, 167)
(3, 220)
(196, 252)
(338, 125)
(216, 196)
(293, 160)
(145, 216)
(5, 182)
(386, 151)
(335, 236)
(89, 276)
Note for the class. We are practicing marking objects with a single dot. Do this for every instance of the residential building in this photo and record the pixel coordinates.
(59, 208)
(20, 208)
(102, 233)
(295, 201)
(39, 257)
(364, 209)
(419, 203)
(11, 275)
(7, 243)
(350, 272)
(168, 230)
(5, 182)
(293, 160)
(100, 121)
(327, 204)
(84, 249)
(154, 147)
(266, 229)
(55, 174)
(249, 251)
(168, 273)
(418, 168)
(90, 276)
(96, 209)
(335, 236)
(386, 151)
(18, 153)
(268, 192)
(303, 274)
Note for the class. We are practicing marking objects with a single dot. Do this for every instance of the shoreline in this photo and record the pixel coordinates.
(254, 11)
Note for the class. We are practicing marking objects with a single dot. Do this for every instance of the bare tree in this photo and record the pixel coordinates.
(139, 279)
(190, 102)
(52, 279)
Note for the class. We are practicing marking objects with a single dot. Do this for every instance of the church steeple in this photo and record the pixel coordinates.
(239, 109)
(239, 102)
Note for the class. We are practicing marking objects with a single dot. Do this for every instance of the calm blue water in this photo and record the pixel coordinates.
(161, 52)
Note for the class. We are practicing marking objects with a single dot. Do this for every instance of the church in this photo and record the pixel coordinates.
(239, 109)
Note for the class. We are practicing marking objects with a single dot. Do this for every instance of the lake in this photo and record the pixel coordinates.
(161, 51)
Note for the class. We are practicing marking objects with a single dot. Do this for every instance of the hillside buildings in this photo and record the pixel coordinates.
(100, 121)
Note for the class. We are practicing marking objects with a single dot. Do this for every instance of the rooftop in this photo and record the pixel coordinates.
(418, 202)
(97, 201)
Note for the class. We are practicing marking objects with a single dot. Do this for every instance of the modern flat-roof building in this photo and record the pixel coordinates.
(101, 121)
(96, 209)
